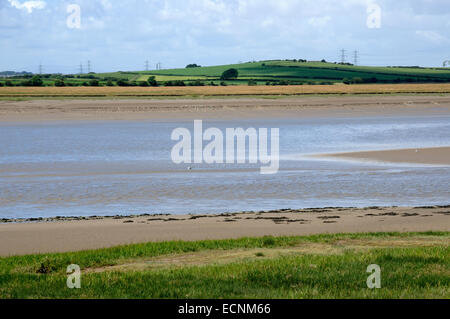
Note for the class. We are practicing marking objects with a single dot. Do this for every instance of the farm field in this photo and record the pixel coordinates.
(107, 92)
(292, 70)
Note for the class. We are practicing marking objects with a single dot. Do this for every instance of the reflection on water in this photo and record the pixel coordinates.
(109, 168)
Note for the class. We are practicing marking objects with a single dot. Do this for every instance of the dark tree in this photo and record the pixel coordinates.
(122, 83)
(196, 83)
(94, 83)
(152, 81)
(230, 74)
(193, 66)
(36, 81)
(60, 83)
(179, 83)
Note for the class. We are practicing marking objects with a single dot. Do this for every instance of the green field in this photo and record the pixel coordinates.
(277, 72)
(413, 265)
(310, 72)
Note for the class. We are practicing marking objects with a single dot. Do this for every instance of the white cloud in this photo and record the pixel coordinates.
(432, 36)
(28, 5)
(221, 31)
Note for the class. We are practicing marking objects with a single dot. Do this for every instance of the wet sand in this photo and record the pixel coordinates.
(20, 237)
(432, 156)
(226, 108)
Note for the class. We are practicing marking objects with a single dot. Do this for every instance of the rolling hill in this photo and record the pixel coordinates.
(274, 72)
(299, 73)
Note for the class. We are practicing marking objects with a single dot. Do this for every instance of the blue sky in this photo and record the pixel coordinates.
(122, 35)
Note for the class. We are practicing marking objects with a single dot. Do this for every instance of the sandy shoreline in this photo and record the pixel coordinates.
(230, 108)
(98, 232)
(432, 156)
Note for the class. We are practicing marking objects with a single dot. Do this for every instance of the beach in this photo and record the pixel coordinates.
(222, 108)
(21, 237)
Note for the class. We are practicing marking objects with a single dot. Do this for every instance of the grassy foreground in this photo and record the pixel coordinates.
(414, 265)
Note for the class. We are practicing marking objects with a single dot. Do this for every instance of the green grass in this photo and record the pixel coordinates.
(414, 265)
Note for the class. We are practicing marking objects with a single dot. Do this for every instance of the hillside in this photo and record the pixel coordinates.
(299, 73)
(277, 72)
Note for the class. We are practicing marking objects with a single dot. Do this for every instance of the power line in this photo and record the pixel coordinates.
(40, 68)
(355, 58)
(89, 66)
(146, 65)
(343, 56)
(81, 68)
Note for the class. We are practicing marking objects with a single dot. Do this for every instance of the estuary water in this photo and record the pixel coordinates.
(122, 168)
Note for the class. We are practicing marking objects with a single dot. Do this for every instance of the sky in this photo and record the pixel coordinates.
(122, 34)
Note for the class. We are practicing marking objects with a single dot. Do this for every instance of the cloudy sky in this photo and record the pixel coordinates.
(123, 34)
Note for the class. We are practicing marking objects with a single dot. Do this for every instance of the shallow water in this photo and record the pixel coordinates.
(109, 168)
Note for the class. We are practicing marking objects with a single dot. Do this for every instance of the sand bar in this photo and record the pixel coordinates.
(20, 238)
(432, 156)
(225, 108)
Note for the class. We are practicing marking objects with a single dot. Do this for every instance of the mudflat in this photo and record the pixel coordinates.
(225, 108)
